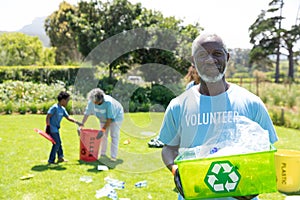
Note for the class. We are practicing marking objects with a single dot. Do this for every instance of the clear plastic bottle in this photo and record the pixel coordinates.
(115, 183)
(187, 153)
(141, 184)
(105, 191)
(112, 195)
(86, 179)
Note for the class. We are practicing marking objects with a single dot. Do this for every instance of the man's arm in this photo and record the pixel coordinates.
(85, 117)
(107, 123)
(169, 153)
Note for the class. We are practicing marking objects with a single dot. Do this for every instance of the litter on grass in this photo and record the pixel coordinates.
(126, 142)
(107, 191)
(115, 183)
(27, 176)
(86, 179)
(141, 184)
(102, 168)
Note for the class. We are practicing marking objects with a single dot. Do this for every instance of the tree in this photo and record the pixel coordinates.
(264, 35)
(61, 35)
(96, 22)
(290, 38)
(269, 38)
(18, 49)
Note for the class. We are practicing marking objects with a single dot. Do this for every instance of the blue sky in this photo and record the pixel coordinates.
(230, 19)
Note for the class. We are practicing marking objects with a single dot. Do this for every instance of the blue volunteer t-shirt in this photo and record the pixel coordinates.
(57, 112)
(190, 84)
(191, 118)
(109, 109)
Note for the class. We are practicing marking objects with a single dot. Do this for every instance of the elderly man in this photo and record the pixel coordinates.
(189, 121)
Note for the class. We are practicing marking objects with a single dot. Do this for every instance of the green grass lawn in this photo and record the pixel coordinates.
(23, 152)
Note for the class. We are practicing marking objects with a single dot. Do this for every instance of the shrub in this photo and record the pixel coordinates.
(161, 95)
(8, 108)
(277, 99)
(291, 101)
(33, 108)
(264, 99)
(22, 109)
(46, 107)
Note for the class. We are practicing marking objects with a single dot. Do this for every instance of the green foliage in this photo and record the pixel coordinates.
(18, 96)
(38, 98)
(291, 100)
(282, 101)
(62, 37)
(40, 74)
(33, 108)
(277, 100)
(277, 116)
(161, 95)
(22, 109)
(85, 26)
(269, 39)
(141, 100)
(18, 49)
(8, 108)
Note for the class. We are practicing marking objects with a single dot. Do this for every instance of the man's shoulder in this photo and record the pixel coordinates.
(109, 100)
(185, 97)
(240, 92)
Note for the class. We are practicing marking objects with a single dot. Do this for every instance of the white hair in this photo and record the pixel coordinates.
(96, 95)
(196, 43)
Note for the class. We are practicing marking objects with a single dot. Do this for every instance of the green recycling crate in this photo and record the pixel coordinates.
(234, 175)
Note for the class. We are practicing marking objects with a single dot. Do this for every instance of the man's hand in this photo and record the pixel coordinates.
(100, 133)
(48, 131)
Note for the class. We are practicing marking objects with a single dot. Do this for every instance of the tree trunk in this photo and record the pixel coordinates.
(277, 71)
(291, 63)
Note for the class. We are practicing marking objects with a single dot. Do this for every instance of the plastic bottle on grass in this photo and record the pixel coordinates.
(107, 191)
(141, 184)
(116, 184)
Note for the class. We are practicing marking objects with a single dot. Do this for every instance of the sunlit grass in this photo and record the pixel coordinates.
(23, 152)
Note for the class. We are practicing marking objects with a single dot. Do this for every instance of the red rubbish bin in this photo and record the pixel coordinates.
(89, 145)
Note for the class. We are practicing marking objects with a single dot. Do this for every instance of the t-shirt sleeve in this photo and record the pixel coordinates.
(110, 111)
(66, 114)
(89, 109)
(169, 130)
(52, 110)
(189, 85)
(265, 122)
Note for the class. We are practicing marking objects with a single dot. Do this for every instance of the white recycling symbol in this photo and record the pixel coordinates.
(222, 177)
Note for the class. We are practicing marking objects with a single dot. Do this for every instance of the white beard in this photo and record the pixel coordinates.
(210, 79)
